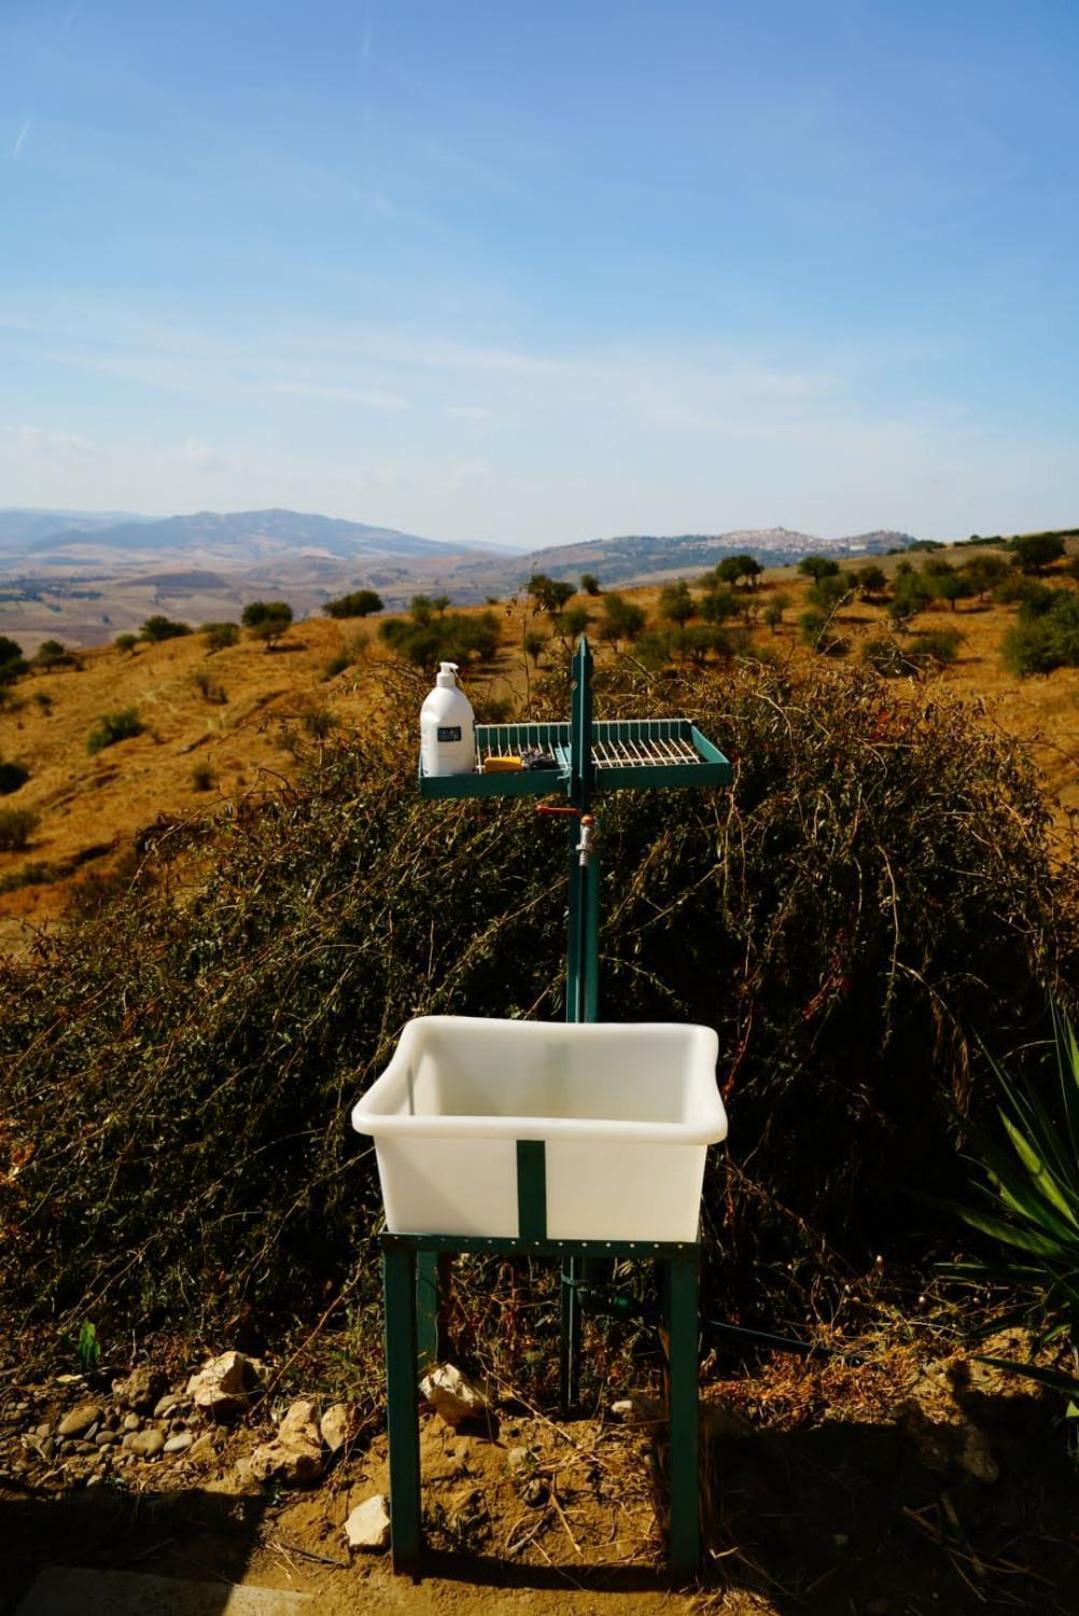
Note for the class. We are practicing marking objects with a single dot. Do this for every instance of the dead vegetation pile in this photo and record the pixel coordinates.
(177, 1067)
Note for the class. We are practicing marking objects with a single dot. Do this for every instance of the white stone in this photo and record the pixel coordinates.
(293, 1463)
(368, 1527)
(338, 1425)
(224, 1385)
(300, 1424)
(639, 1408)
(452, 1395)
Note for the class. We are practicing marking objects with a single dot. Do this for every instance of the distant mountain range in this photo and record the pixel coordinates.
(19, 529)
(81, 575)
(241, 537)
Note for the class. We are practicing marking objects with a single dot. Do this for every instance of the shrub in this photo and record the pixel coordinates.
(817, 567)
(718, 605)
(653, 650)
(361, 603)
(43, 701)
(535, 644)
(877, 882)
(774, 609)
(911, 594)
(701, 640)
(549, 595)
(126, 643)
(202, 777)
(830, 592)
(52, 654)
(1029, 1205)
(38, 873)
(13, 776)
(951, 586)
(1033, 552)
(939, 647)
(455, 638)
(220, 636)
(870, 582)
(888, 657)
(12, 663)
(573, 621)
(1046, 635)
(589, 584)
(818, 630)
(208, 687)
(17, 825)
(676, 604)
(319, 722)
(734, 567)
(158, 628)
(985, 573)
(113, 727)
(267, 620)
(336, 665)
(622, 619)
(494, 709)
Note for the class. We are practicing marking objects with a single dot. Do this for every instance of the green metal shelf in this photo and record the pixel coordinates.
(624, 752)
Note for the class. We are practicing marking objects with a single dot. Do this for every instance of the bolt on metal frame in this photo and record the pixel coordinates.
(589, 757)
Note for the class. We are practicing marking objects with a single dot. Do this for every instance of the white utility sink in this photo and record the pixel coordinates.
(626, 1112)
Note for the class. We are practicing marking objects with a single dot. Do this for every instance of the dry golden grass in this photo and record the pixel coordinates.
(91, 808)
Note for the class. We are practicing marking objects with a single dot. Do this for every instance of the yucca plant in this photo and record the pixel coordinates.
(1030, 1204)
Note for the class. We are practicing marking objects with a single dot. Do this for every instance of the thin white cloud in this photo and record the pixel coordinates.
(20, 139)
(467, 412)
(34, 440)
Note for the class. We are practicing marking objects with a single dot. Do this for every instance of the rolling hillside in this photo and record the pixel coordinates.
(214, 724)
(84, 578)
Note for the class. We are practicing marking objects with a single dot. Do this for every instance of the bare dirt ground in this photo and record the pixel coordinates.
(900, 1486)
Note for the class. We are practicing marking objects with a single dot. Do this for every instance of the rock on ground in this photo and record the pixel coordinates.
(452, 1395)
(141, 1389)
(339, 1424)
(80, 1419)
(368, 1527)
(294, 1457)
(225, 1385)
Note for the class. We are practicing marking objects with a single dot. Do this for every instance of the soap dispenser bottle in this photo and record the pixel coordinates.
(447, 727)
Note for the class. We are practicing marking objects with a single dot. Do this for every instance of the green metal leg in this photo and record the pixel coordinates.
(570, 1350)
(683, 1323)
(428, 1308)
(399, 1285)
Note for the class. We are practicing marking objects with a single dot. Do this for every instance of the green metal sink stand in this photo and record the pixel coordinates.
(589, 759)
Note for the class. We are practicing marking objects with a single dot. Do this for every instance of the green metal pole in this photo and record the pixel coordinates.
(428, 1308)
(402, 1407)
(683, 1324)
(582, 944)
(582, 957)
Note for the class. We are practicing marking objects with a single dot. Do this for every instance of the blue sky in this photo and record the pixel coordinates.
(539, 270)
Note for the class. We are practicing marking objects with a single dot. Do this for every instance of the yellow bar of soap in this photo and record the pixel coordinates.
(501, 765)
